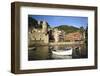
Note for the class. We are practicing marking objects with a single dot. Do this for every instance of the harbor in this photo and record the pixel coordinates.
(49, 41)
(46, 52)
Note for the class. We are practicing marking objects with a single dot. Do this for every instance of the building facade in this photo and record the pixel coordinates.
(73, 37)
(39, 34)
(46, 35)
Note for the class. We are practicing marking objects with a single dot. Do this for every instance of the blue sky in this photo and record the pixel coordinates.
(63, 20)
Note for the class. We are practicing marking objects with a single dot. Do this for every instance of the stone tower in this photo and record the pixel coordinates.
(44, 27)
(39, 22)
(44, 31)
(56, 35)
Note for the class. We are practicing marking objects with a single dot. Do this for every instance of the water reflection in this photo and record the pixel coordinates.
(45, 52)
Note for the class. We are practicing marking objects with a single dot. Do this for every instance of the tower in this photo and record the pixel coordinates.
(44, 27)
(45, 30)
(56, 35)
(39, 22)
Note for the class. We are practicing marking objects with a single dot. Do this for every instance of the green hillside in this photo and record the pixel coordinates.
(33, 23)
(68, 29)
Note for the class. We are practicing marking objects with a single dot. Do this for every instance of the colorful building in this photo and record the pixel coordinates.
(73, 37)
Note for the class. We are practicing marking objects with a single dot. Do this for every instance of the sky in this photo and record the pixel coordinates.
(54, 21)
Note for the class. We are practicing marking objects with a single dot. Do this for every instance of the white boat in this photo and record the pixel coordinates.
(63, 52)
(61, 56)
(31, 48)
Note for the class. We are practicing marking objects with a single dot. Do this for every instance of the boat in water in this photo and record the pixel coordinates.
(67, 51)
(61, 56)
(32, 48)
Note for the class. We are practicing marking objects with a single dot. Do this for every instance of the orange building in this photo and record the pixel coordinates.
(75, 36)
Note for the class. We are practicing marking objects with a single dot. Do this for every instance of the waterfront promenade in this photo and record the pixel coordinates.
(56, 43)
(65, 43)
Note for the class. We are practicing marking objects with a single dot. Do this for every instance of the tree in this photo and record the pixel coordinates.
(86, 36)
(82, 31)
(32, 23)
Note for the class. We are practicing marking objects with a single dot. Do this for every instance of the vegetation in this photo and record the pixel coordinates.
(68, 29)
(33, 23)
(86, 36)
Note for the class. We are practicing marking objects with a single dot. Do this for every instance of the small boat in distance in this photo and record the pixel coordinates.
(32, 48)
(63, 52)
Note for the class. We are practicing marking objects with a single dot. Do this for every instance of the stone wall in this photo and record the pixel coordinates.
(38, 34)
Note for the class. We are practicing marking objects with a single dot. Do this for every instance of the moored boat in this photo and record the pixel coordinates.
(32, 48)
(63, 52)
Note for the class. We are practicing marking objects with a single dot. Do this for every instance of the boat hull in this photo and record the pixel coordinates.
(67, 52)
